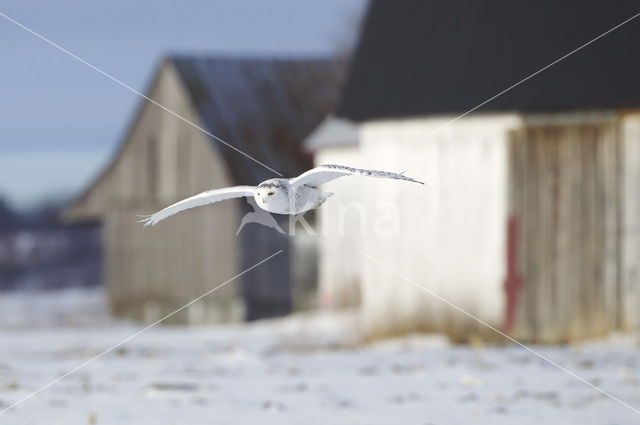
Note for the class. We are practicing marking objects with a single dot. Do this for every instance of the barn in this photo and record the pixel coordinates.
(530, 219)
(263, 107)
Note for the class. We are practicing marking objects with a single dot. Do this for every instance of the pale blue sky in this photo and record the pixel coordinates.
(60, 120)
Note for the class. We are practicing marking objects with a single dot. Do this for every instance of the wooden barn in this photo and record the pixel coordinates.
(263, 107)
(530, 219)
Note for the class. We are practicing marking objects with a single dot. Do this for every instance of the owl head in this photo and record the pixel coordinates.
(273, 195)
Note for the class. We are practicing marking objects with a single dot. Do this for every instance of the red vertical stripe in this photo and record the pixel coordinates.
(513, 280)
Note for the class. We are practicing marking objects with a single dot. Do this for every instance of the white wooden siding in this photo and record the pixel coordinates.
(339, 234)
(451, 232)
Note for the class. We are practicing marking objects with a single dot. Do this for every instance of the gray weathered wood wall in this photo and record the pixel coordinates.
(566, 202)
(152, 271)
(630, 221)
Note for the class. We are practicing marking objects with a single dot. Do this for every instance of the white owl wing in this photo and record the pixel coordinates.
(326, 173)
(204, 198)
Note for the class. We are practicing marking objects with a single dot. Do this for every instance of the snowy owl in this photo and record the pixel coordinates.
(279, 196)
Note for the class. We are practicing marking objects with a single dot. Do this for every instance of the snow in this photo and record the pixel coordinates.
(309, 369)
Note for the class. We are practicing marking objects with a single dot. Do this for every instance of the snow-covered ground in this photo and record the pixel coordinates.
(305, 369)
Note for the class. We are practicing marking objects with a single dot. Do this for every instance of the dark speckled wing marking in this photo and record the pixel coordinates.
(281, 184)
(326, 173)
(270, 186)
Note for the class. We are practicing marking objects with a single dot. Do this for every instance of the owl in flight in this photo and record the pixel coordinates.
(280, 196)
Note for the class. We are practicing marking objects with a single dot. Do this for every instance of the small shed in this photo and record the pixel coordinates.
(530, 219)
(264, 108)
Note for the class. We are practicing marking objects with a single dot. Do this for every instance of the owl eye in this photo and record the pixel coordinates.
(271, 193)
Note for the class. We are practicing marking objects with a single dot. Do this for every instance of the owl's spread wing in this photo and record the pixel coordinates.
(204, 198)
(326, 173)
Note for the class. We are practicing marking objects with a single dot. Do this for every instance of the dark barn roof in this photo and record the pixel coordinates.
(418, 57)
(263, 107)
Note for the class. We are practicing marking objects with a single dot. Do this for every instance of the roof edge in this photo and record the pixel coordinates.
(73, 210)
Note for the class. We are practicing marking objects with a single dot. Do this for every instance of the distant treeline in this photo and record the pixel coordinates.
(37, 251)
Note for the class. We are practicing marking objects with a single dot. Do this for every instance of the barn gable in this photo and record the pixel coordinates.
(131, 154)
